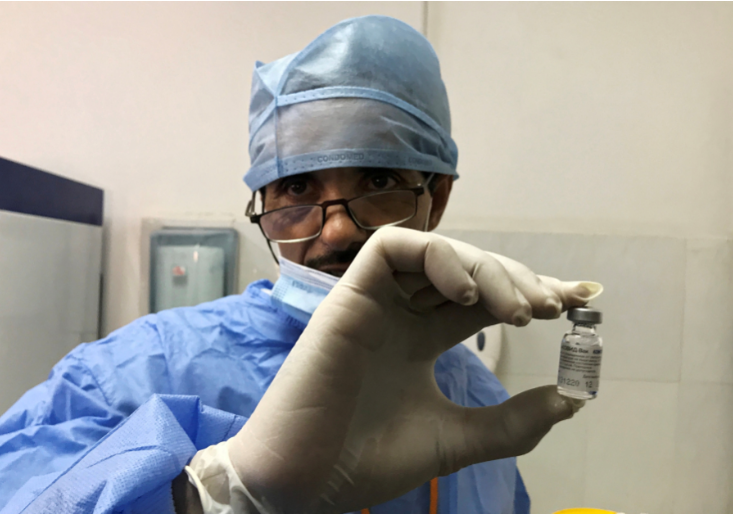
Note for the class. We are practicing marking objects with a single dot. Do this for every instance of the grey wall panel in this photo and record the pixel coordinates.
(49, 279)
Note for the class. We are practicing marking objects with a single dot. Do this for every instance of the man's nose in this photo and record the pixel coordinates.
(340, 232)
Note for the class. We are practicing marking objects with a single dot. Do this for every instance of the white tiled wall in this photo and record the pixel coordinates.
(707, 333)
(659, 436)
(703, 459)
(631, 447)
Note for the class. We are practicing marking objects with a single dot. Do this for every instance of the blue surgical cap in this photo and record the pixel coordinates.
(365, 93)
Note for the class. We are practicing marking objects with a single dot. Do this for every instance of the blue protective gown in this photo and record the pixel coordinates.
(119, 418)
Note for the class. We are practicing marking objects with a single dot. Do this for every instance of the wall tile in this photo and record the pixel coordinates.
(554, 471)
(707, 328)
(644, 279)
(631, 445)
(703, 458)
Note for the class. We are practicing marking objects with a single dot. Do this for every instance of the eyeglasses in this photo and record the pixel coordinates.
(293, 224)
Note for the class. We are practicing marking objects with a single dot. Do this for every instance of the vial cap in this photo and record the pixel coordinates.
(586, 314)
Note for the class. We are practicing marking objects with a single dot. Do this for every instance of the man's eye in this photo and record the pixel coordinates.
(381, 182)
(296, 187)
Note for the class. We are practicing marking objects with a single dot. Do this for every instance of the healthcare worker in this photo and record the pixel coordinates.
(341, 387)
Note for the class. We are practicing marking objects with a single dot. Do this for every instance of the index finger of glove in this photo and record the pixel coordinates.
(498, 292)
(536, 288)
(573, 293)
(547, 296)
(544, 301)
(406, 250)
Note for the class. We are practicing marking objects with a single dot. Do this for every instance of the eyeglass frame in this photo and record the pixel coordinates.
(255, 218)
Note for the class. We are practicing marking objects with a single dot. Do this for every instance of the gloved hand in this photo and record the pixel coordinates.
(354, 417)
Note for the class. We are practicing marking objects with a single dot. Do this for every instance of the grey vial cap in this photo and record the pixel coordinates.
(585, 315)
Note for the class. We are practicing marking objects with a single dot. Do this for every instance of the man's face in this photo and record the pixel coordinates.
(340, 239)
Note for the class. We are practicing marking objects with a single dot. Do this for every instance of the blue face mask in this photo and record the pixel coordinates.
(299, 290)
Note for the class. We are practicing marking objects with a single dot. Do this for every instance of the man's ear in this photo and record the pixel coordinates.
(440, 197)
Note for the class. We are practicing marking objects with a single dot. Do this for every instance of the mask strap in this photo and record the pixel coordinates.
(428, 218)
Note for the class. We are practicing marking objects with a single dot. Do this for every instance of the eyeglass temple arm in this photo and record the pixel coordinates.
(272, 252)
(250, 210)
(255, 219)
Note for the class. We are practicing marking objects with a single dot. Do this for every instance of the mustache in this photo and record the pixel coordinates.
(340, 257)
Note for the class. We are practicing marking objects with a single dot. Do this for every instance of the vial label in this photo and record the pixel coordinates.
(579, 368)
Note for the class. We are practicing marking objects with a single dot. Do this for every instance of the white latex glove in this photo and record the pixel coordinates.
(355, 418)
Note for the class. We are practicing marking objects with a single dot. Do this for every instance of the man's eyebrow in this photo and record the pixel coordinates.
(281, 180)
(374, 169)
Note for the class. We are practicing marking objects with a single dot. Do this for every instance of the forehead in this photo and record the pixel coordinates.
(350, 174)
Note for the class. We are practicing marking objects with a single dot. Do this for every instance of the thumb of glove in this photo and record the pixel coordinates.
(512, 428)
(530, 415)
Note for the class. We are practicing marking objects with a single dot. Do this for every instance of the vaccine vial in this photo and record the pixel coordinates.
(581, 351)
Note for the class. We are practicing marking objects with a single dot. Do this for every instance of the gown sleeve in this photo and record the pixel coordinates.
(71, 444)
(50, 427)
(131, 469)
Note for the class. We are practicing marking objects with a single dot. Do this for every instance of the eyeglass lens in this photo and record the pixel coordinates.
(370, 212)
